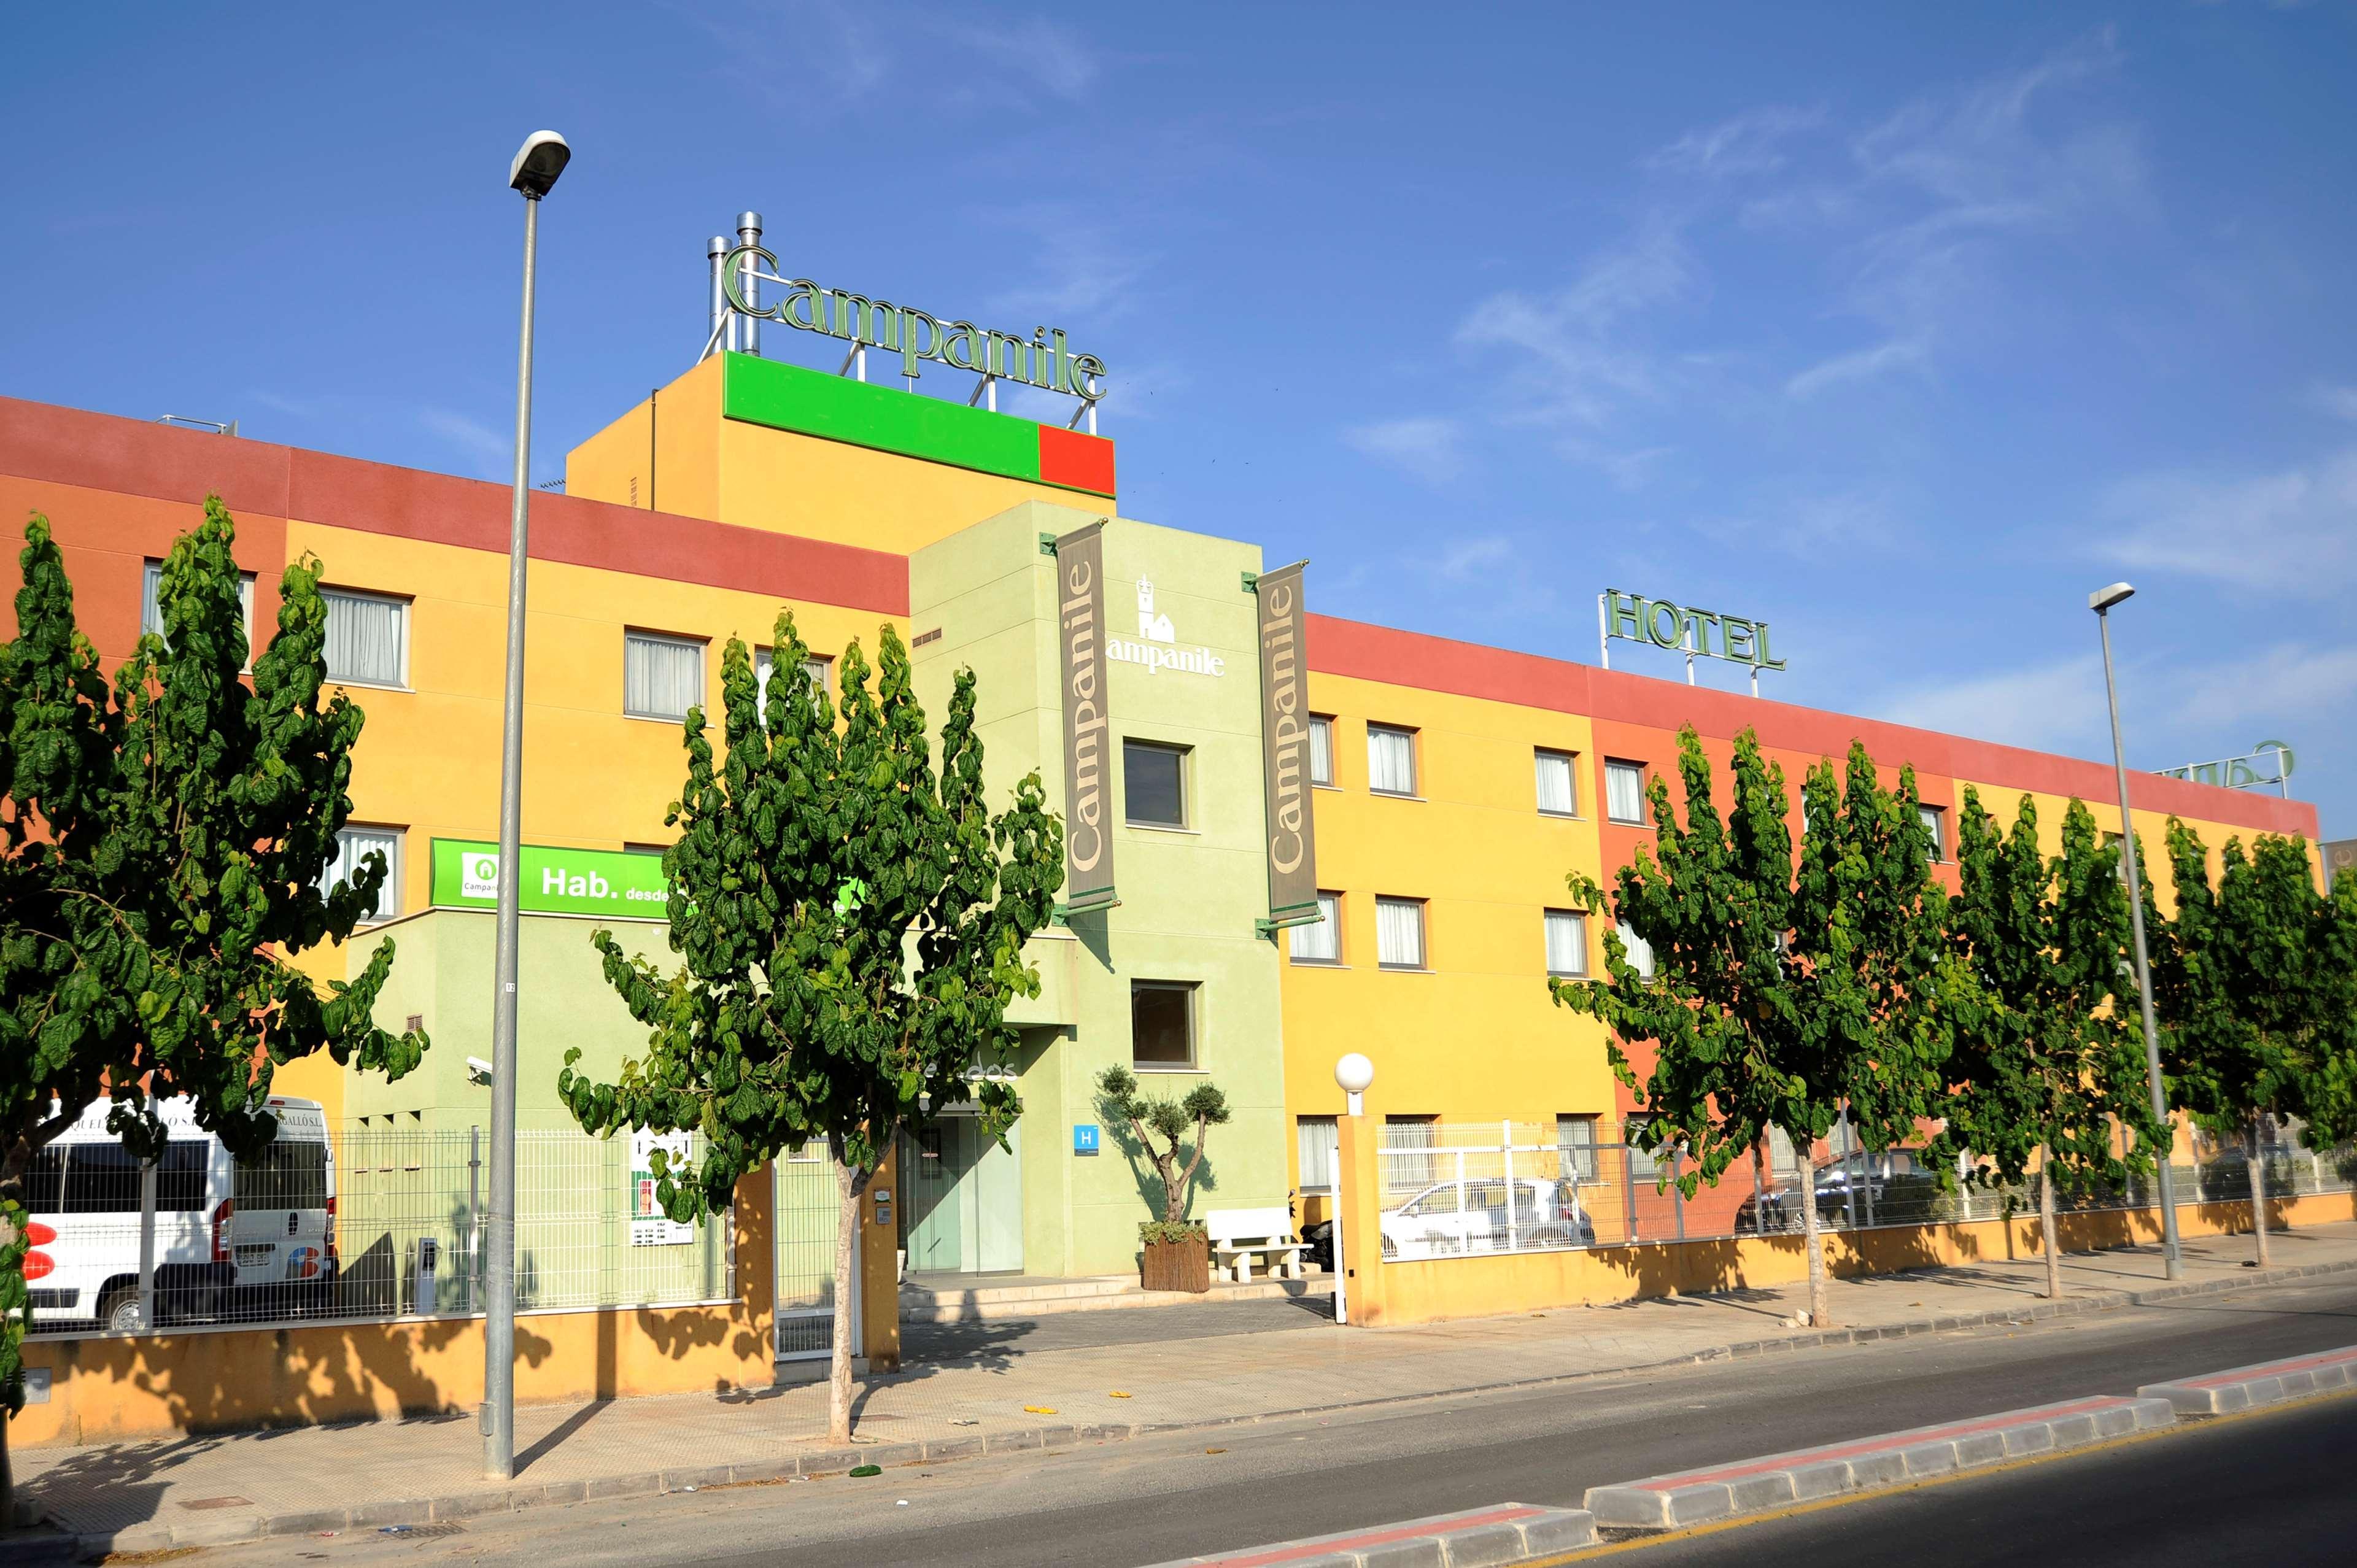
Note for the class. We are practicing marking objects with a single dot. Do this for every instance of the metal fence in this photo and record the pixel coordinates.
(371, 1223)
(1457, 1189)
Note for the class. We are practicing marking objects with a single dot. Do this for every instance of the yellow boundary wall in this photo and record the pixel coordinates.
(1436, 1290)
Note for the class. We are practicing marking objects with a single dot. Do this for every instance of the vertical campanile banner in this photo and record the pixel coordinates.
(1285, 746)
(1088, 772)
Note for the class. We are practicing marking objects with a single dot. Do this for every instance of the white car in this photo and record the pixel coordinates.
(232, 1241)
(1452, 1217)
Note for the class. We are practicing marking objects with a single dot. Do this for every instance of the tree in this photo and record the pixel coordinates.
(2252, 987)
(851, 926)
(1161, 1127)
(166, 846)
(1780, 991)
(2057, 1061)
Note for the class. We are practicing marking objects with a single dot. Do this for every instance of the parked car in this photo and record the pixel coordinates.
(232, 1239)
(1470, 1216)
(1894, 1186)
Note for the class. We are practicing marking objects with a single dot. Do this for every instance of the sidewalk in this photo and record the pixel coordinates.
(151, 1496)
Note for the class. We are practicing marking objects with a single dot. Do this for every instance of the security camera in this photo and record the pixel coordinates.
(478, 1070)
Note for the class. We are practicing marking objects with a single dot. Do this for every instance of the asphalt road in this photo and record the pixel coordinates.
(1124, 1504)
(2268, 1489)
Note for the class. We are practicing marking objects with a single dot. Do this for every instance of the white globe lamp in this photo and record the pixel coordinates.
(1354, 1072)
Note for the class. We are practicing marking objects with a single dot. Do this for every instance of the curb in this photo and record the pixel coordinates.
(1894, 1458)
(2267, 1383)
(1495, 1537)
(437, 1509)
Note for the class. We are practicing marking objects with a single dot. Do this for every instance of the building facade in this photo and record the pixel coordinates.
(1453, 786)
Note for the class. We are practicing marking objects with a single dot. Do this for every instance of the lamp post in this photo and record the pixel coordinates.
(1353, 1073)
(537, 164)
(2101, 601)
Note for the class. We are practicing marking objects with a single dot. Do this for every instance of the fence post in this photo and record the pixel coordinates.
(1358, 1204)
(148, 1246)
(474, 1213)
(1628, 1187)
(1506, 1143)
(1758, 1200)
(1677, 1190)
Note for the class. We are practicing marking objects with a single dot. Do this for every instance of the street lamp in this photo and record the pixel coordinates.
(1352, 1073)
(537, 164)
(2101, 601)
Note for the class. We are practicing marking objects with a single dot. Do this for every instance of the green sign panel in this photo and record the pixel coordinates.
(603, 883)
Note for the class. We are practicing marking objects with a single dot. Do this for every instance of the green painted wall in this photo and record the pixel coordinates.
(1188, 898)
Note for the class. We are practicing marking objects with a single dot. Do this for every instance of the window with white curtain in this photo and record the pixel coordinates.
(663, 677)
(368, 638)
(1399, 932)
(1641, 951)
(151, 604)
(765, 659)
(353, 846)
(1624, 792)
(1391, 760)
(1566, 941)
(1321, 1144)
(1323, 941)
(1321, 749)
(1575, 1142)
(1558, 795)
(1932, 818)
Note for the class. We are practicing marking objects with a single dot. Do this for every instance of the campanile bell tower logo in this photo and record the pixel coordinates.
(1152, 627)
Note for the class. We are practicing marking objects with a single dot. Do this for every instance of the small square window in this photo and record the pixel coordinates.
(1566, 943)
(1320, 942)
(368, 638)
(1933, 821)
(1320, 1143)
(765, 661)
(1575, 1142)
(1153, 784)
(1641, 951)
(1321, 749)
(353, 846)
(1161, 1024)
(1624, 792)
(663, 677)
(1391, 760)
(151, 604)
(1558, 794)
(1399, 933)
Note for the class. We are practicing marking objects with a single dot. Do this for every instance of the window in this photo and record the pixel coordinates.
(1320, 1142)
(1321, 942)
(663, 677)
(368, 638)
(1391, 760)
(103, 1179)
(1161, 1024)
(353, 846)
(1641, 951)
(1321, 749)
(1566, 941)
(1645, 1165)
(765, 659)
(1932, 816)
(1574, 1143)
(1558, 795)
(288, 1175)
(1624, 792)
(151, 604)
(1153, 784)
(1399, 932)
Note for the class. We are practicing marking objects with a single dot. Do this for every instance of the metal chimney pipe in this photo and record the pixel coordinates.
(748, 232)
(716, 250)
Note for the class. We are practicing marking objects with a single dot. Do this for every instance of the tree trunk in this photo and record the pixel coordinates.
(849, 1185)
(1818, 1315)
(2258, 1169)
(2047, 1238)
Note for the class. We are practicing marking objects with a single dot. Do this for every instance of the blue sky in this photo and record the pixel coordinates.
(1899, 328)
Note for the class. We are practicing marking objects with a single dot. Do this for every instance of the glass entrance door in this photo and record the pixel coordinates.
(965, 1206)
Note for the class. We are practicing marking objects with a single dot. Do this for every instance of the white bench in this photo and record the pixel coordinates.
(1240, 1235)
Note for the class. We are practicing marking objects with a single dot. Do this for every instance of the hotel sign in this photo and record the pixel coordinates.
(603, 884)
(1285, 748)
(1088, 767)
(1682, 630)
(2237, 772)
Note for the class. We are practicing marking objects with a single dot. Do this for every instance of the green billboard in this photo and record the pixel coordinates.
(601, 883)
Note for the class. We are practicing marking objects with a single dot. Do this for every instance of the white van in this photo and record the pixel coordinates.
(233, 1241)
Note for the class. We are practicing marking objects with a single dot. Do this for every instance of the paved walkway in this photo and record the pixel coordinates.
(991, 1395)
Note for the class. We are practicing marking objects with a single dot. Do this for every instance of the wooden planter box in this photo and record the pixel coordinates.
(1176, 1265)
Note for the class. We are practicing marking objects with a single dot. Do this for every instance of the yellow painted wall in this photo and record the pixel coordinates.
(755, 477)
(1479, 1037)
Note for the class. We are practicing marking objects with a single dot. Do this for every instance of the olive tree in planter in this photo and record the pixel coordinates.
(1177, 1251)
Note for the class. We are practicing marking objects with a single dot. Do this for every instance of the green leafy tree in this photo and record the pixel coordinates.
(167, 841)
(1162, 1127)
(2056, 1063)
(2253, 990)
(851, 924)
(1782, 989)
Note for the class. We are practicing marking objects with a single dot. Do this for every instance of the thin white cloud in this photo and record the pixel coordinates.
(2052, 704)
(2290, 532)
(1750, 144)
(2285, 681)
(1046, 55)
(490, 454)
(1578, 365)
(1864, 365)
(1423, 445)
(1468, 559)
(2340, 401)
